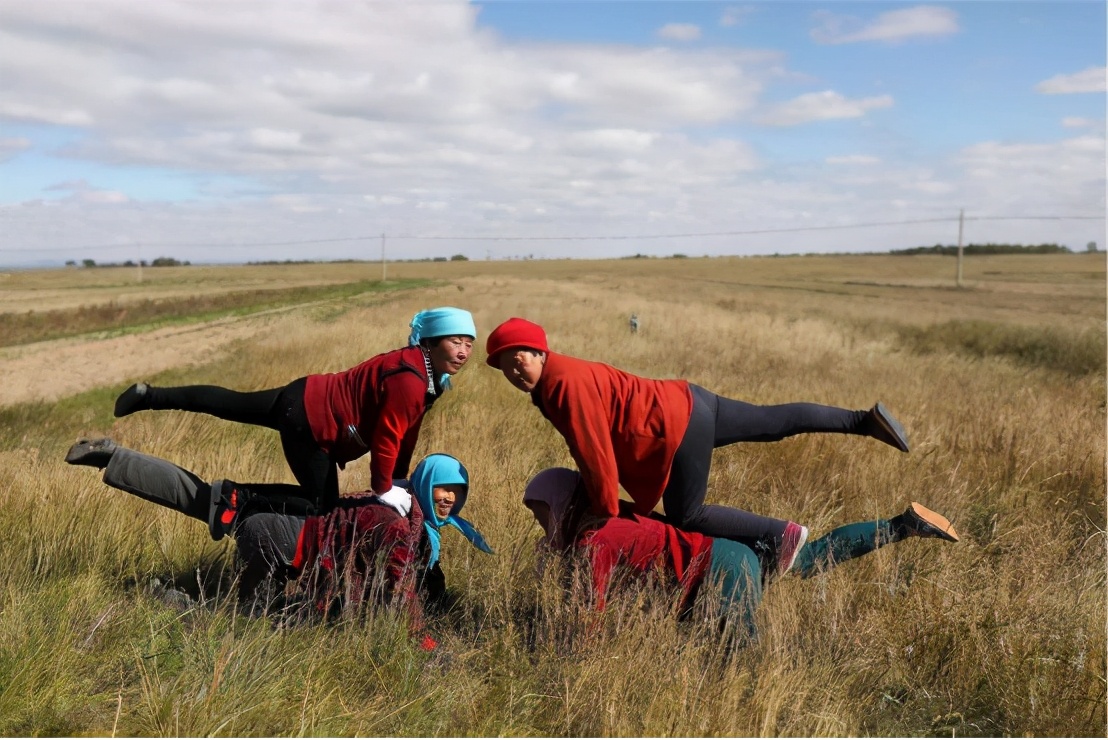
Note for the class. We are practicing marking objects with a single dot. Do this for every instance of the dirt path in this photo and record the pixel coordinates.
(47, 371)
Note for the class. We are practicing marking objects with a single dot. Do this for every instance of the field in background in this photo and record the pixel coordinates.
(1001, 386)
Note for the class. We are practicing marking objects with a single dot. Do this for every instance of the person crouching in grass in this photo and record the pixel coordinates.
(639, 544)
(370, 546)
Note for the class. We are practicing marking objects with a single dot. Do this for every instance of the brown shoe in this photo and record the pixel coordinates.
(922, 522)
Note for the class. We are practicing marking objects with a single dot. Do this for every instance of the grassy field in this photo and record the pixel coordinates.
(1001, 385)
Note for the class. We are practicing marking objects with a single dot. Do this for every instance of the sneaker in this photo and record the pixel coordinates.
(131, 400)
(95, 453)
(922, 522)
(227, 501)
(791, 543)
(882, 426)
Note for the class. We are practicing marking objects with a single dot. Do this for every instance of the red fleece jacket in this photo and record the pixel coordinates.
(384, 398)
(359, 545)
(621, 429)
(643, 544)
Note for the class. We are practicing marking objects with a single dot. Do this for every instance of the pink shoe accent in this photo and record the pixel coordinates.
(791, 542)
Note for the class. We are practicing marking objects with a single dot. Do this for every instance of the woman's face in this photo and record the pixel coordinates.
(450, 353)
(522, 367)
(443, 498)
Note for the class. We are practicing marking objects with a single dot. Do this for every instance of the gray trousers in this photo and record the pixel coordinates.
(266, 541)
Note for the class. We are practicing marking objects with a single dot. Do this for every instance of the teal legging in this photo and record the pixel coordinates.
(736, 567)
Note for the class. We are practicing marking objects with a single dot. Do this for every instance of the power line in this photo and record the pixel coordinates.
(570, 237)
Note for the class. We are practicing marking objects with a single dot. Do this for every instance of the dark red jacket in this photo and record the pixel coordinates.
(362, 549)
(644, 544)
(384, 398)
(621, 429)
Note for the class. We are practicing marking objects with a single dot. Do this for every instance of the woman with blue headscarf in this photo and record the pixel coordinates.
(328, 420)
(367, 548)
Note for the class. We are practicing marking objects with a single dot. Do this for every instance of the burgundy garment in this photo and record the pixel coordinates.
(384, 398)
(643, 544)
(361, 545)
(621, 429)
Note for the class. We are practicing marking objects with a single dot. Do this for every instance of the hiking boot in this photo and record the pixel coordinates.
(882, 426)
(228, 499)
(922, 522)
(791, 543)
(96, 453)
(135, 398)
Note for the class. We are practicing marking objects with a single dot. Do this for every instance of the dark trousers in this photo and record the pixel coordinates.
(280, 409)
(266, 540)
(718, 422)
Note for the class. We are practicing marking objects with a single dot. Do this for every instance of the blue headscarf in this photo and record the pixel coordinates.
(436, 470)
(441, 322)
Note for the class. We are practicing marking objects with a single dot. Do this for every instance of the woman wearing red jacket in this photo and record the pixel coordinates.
(639, 544)
(338, 559)
(328, 420)
(655, 437)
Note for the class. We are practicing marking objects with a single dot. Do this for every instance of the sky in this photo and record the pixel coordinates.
(229, 131)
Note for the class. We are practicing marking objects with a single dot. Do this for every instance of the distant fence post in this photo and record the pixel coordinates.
(384, 268)
(961, 223)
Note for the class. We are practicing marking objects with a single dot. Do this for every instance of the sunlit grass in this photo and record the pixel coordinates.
(1001, 634)
(145, 314)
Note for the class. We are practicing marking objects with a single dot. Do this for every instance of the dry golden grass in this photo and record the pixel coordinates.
(1001, 634)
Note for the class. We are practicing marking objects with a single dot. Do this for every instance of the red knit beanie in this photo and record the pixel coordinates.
(514, 334)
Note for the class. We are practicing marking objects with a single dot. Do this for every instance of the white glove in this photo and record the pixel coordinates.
(398, 498)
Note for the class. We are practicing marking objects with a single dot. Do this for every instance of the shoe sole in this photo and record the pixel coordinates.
(85, 447)
(936, 520)
(892, 427)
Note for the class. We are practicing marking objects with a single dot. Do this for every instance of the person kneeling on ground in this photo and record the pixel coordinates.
(337, 558)
(326, 420)
(655, 437)
(641, 544)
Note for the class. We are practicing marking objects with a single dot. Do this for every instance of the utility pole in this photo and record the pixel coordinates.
(384, 267)
(961, 223)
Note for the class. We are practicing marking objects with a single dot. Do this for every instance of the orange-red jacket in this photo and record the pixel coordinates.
(621, 429)
(384, 399)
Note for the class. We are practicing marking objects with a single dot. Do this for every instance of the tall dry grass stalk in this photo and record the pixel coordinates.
(1001, 634)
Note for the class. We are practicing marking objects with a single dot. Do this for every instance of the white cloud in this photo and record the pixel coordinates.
(735, 15)
(103, 197)
(820, 106)
(891, 26)
(58, 116)
(332, 120)
(1091, 80)
(1063, 178)
(679, 32)
(83, 192)
(1077, 122)
(12, 146)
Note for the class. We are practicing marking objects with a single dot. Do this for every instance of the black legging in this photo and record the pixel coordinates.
(718, 422)
(280, 409)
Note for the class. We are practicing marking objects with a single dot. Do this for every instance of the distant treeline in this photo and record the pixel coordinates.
(156, 262)
(972, 249)
(455, 258)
